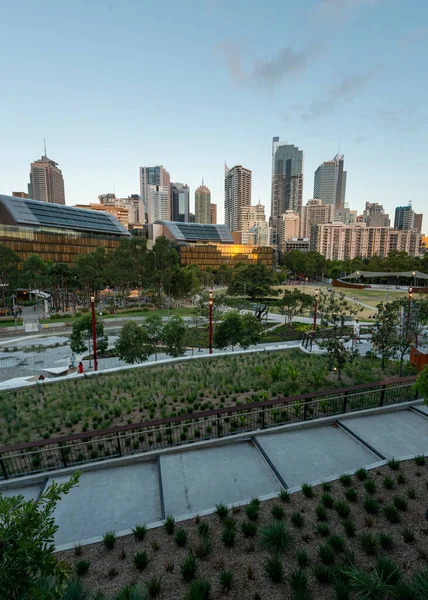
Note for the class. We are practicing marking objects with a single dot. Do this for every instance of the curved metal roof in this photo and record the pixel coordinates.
(373, 274)
(33, 213)
(198, 232)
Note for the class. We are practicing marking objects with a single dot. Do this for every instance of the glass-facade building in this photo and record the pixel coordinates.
(330, 182)
(57, 233)
(180, 202)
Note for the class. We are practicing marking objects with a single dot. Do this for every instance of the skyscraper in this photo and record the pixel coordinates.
(159, 202)
(180, 202)
(157, 176)
(203, 204)
(46, 181)
(374, 215)
(237, 195)
(404, 218)
(287, 182)
(313, 214)
(330, 182)
(213, 214)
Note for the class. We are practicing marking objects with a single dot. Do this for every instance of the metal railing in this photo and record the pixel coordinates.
(73, 450)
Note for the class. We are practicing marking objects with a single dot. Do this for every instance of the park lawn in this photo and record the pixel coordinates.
(321, 554)
(10, 322)
(135, 395)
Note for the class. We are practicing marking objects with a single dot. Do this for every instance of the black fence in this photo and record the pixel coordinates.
(74, 450)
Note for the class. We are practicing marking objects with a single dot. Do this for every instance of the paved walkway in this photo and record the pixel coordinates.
(184, 482)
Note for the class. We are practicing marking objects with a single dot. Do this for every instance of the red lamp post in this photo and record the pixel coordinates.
(211, 322)
(94, 333)
(315, 310)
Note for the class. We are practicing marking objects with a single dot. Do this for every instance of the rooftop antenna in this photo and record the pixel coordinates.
(202, 180)
(44, 141)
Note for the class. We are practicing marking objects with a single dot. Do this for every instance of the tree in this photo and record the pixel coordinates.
(133, 343)
(229, 331)
(338, 353)
(407, 330)
(184, 282)
(421, 385)
(34, 272)
(82, 332)
(383, 337)
(253, 280)
(222, 303)
(174, 336)
(27, 530)
(334, 308)
(161, 261)
(251, 331)
(90, 270)
(9, 262)
(154, 328)
(294, 303)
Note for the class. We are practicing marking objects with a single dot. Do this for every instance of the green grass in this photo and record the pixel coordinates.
(137, 395)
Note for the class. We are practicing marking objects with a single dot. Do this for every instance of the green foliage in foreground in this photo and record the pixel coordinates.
(27, 530)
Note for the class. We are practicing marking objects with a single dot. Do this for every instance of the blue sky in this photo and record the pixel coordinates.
(192, 84)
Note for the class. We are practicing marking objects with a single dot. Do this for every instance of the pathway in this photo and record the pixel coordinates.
(195, 478)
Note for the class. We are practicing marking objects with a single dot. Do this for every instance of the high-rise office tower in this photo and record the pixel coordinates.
(203, 204)
(159, 202)
(46, 181)
(418, 222)
(287, 182)
(404, 218)
(237, 195)
(213, 214)
(157, 176)
(180, 202)
(330, 182)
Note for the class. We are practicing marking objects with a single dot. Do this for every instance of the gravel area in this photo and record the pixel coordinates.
(111, 570)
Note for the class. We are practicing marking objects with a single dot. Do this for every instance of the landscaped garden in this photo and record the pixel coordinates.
(361, 537)
(135, 395)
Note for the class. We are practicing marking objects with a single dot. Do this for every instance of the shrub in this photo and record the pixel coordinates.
(277, 512)
(386, 541)
(388, 482)
(322, 529)
(370, 486)
(198, 590)
(274, 569)
(188, 568)
(82, 567)
(298, 581)
(276, 537)
(307, 490)
(361, 474)
(349, 527)
(154, 585)
(326, 554)
(371, 505)
(327, 499)
(141, 560)
(341, 590)
(391, 513)
(420, 460)
(226, 577)
(351, 494)
(342, 508)
(388, 570)
(180, 537)
(228, 536)
(400, 503)
(411, 493)
(155, 545)
(302, 558)
(221, 511)
(139, 532)
(255, 502)
(297, 519)
(336, 542)
(368, 543)
(368, 585)
(321, 512)
(249, 529)
(401, 478)
(112, 572)
(109, 540)
(393, 464)
(203, 547)
(408, 535)
(326, 486)
(421, 583)
(252, 512)
(345, 480)
(169, 524)
(203, 528)
(169, 567)
(323, 573)
(284, 495)
(78, 550)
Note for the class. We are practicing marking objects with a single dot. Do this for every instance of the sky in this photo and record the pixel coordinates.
(191, 85)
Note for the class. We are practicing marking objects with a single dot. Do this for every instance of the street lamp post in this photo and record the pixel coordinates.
(408, 311)
(315, 310)
(94, 333)
(414, 278)
(211, 322)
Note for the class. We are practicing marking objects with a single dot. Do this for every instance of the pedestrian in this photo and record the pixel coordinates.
(72, 360)
(80, 367)
(41, 377)
(34, 308)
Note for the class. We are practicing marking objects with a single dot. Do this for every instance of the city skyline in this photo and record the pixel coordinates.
(326, 83)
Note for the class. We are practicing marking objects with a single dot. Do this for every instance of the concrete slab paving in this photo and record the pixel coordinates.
(198, 480)
(109, 499)
(398, 433)
(422, 408)
(312, 454)
(30, 492)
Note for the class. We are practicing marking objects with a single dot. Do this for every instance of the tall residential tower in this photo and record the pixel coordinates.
(46, 181)
(157, 177)
(237, 195)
